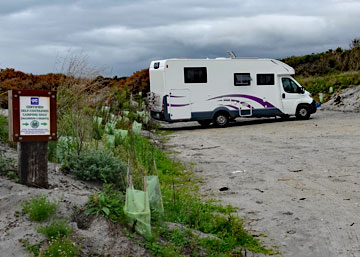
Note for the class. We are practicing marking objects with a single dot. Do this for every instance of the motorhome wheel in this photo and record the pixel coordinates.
(303, 112)
(221, 120)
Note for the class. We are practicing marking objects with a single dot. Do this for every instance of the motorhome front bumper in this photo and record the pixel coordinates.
(313, 106)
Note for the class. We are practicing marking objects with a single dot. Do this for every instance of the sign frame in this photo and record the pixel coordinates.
(14, 115)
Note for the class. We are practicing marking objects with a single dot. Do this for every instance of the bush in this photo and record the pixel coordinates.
(56, 229)
(97, 165)
(39, 208)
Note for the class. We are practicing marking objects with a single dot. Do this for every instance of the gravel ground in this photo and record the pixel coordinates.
(295, 181)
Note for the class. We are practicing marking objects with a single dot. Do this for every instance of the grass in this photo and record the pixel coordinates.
(61, 247)
(56, 229)
(39, 208)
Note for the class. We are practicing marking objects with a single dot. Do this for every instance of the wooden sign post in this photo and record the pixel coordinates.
(32, 123)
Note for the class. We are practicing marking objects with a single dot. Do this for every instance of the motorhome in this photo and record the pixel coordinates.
(222, 89)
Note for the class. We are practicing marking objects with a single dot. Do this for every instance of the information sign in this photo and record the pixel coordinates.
(32, 115)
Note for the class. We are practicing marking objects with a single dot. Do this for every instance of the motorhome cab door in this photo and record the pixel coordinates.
(179, 104)
(291, 92)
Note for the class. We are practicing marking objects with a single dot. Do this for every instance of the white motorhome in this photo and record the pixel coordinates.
(222, 89)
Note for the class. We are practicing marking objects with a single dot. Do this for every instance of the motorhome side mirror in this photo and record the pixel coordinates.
(302, 90)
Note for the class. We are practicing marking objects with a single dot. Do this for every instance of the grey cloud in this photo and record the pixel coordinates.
(126, 35)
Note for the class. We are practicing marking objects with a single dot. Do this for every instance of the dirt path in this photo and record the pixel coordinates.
(298, 182)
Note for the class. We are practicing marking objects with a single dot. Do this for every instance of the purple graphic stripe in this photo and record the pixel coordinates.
(254, 98)
(232, 106)
(237, 101)
(178, 105)
(176, 96)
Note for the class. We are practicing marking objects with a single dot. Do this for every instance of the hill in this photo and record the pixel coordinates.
(12, 79)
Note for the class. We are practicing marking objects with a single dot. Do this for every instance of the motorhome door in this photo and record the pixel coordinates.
(290, 93)
(179, 104)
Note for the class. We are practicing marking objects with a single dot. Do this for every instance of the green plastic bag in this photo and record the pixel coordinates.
(110, 127)
(97, 120)
(138, 210)
(136, 127)
(121, 133)
(110, 141)
(154, 192)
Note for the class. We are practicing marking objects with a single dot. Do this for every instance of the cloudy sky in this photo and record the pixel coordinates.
(123, 36)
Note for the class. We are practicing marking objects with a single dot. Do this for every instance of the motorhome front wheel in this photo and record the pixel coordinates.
(221, 120)
(303, 112)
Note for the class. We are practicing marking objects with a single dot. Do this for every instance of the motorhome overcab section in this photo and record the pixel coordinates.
(222, 89)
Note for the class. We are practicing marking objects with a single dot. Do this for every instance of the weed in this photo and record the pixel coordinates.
(108, 202)
(57, 228)
(61, 247)
(32, 248)
(39, 208)
(13, 176)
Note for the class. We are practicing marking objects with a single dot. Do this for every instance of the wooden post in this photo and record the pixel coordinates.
(32, 123)
(33, 163)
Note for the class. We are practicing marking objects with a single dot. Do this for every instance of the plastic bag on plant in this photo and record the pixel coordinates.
(136, 127)
(138, 210)
(110, 127)
(154, 192)
(110, 141)
(140, 114)
(98, 120)
(121, 133)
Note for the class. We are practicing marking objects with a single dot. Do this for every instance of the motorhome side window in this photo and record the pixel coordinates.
(195, 75)
(265, 79)
(242, 79)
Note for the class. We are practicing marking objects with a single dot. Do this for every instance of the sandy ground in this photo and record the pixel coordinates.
(295, 181)
(95, 236)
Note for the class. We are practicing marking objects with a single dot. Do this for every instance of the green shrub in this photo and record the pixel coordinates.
(57, 228)
(61, 247)
(39, 208)
(97, 165)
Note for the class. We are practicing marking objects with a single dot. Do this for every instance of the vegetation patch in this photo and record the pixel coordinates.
(39, 208)
(322, 84)
(56, 229)
(61, 247)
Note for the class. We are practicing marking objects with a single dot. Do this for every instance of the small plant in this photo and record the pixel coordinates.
(13, 176)
(61, 247)
(56, 229)
(32, 248)
(39, 208)
(109, 203)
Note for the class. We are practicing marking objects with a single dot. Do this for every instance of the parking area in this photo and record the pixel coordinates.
(298, 182)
